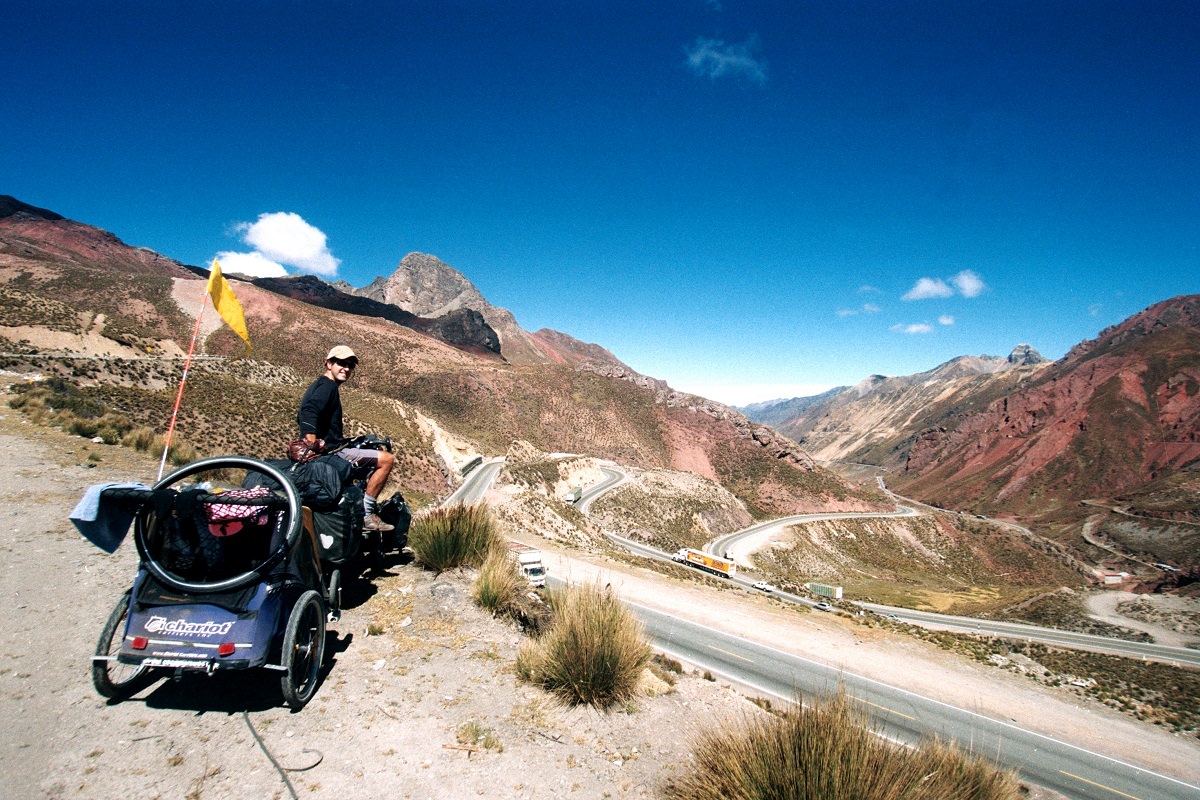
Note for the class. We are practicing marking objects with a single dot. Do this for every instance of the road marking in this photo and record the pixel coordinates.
(1099, 785)
(734, 655)
(883, 708)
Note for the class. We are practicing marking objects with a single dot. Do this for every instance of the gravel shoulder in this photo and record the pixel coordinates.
(415, 668)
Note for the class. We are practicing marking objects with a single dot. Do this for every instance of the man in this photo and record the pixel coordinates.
(320, 421)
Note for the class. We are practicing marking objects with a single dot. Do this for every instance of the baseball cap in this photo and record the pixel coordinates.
(341, 353)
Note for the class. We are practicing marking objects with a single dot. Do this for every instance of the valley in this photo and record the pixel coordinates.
(415, 662)
(1044, 489)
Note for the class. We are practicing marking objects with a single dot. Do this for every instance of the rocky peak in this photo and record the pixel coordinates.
(426, 286)
(463, 328)
(1024, 355)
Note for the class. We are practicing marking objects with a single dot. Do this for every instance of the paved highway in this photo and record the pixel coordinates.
(477, 482)
(723, 544)
(1179, 656)
(612, 479)
(908, 717)
(900, 714)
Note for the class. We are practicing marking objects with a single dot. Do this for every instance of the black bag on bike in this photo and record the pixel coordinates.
(395, 512)
(319, 482)
(339, 529)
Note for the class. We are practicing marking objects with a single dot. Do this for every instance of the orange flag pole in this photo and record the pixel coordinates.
(227, 305)
(187, 363)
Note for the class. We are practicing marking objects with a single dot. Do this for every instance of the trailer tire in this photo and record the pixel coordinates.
(111, 678)
(303, 650)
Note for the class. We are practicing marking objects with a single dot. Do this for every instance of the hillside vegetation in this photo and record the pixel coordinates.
(940, 562)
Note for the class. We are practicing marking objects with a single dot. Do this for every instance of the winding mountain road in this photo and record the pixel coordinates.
(1075, 772)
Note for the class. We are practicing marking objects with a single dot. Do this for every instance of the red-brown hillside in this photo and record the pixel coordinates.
(1114, 414)
(38, 234)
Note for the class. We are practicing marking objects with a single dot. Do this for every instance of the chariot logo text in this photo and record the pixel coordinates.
(178, 627)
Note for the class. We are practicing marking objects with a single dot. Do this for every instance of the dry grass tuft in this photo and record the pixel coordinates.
(826, 751)
(593, 652)
(457, 536)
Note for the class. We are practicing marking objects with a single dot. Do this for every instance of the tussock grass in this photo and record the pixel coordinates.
(665, 669)
(455, 536)
(503, 590)
(593, 652)
(181, 452)
(828, 750)
(499, 583)
(57, 402)
(141, 438)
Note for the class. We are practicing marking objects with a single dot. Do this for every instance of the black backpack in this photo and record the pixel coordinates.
(395, 512)
(319, 482)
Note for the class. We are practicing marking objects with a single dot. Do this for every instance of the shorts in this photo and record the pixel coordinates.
(362, 461)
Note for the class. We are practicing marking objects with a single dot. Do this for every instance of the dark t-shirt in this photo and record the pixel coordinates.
(321, 411)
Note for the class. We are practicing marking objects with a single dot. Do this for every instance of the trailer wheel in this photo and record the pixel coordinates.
(303, 650)
(111, 678)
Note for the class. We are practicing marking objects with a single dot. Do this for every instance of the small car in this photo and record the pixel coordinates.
(763, 586)
(823, 606)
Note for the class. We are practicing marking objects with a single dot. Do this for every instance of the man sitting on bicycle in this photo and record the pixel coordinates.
(320, 421)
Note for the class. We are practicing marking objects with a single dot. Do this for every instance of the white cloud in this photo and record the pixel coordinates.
(917, 327)
(867, 308)
(968, 283)
(251, 265)
(284, 237)
(928, 288)
(945, 319)
(716, 59)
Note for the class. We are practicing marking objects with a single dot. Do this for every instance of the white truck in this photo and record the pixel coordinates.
(529, 562)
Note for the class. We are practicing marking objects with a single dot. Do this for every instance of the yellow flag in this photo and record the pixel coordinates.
(226, 304)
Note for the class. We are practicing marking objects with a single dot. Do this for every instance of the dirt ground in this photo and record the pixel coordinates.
(420, 699)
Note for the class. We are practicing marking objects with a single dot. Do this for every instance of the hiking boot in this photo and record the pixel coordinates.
(372, 522)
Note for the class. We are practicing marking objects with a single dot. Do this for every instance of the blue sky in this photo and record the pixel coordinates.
(749, 200)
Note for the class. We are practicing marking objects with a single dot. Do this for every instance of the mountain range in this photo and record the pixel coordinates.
(1097, 450)
(1099, 447)
(445, 374)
